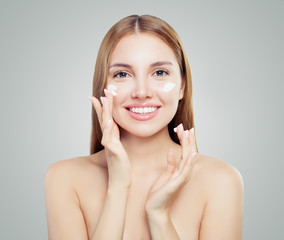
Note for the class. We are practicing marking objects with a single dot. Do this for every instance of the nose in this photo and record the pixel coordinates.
(141, 90)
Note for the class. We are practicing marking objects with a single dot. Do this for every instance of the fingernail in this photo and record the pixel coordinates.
(105, 92)
(90, 98)
(102, 101)
(192, 132)
(109, 122)
(194, 154)
(186, 133)
(180, 127)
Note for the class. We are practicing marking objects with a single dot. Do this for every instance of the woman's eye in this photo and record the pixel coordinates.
(161, 73)
(120, 75)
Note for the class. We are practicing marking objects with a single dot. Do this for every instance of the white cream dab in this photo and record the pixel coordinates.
(112, 89)
(168, 87)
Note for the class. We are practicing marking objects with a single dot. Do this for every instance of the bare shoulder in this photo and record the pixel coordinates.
(214, 170)
(224, 189)
(66, 184)
(218, 179)
(74, 169)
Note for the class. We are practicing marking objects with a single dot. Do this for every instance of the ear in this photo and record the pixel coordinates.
(181, 91)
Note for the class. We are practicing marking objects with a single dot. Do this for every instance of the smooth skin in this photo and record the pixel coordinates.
(143, 187)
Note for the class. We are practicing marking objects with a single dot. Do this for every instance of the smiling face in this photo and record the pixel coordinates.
(145, 80)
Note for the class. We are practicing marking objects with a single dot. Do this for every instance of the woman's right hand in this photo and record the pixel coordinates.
(119, 169)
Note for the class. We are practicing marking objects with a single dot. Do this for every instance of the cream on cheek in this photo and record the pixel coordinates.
(169, 86)
(169, 92)
(112, 88)
(119, 91)
(166, 88)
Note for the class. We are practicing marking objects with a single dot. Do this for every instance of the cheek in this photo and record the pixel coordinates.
(168, 87)
(118, 89)
(113, 89)
(168, 91)
(120, 92)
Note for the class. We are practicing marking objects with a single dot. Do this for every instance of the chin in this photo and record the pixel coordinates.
(142, 131)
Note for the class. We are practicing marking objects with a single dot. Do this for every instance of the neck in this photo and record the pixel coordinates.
(148, 153)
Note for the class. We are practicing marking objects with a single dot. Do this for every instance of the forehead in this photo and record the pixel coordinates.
(142, 48)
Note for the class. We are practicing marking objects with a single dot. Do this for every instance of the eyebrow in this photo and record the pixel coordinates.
(156, 64)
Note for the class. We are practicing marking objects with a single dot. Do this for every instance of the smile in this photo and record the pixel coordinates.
(143, 110)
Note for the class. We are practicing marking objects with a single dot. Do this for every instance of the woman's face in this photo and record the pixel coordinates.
(145, 80)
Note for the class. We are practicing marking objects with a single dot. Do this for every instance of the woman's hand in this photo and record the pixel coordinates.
(119, 169)
(169, 184)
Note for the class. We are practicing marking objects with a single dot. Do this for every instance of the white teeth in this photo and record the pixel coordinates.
(143, 110)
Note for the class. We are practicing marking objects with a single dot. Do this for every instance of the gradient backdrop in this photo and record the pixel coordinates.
(48, 51)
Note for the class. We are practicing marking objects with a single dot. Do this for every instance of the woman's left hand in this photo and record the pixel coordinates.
(169, 184)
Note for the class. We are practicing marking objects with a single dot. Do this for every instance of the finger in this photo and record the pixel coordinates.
(185, 150)
(193, 153)
(164, 178)
(182, 135)
(186, 171)
(188, 146)
(110, 99)
(106, 138)
(171, 162)
(192, 140)
(179, 131)
(105, 114)
(98, 108)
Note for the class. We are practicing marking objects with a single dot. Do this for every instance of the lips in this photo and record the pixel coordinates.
(142, 112)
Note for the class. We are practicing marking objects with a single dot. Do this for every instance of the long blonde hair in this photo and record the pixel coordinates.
(142, 24)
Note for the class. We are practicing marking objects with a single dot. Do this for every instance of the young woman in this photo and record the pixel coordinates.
(144, 178)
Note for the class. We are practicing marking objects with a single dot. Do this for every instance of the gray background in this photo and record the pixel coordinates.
(48, 52)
